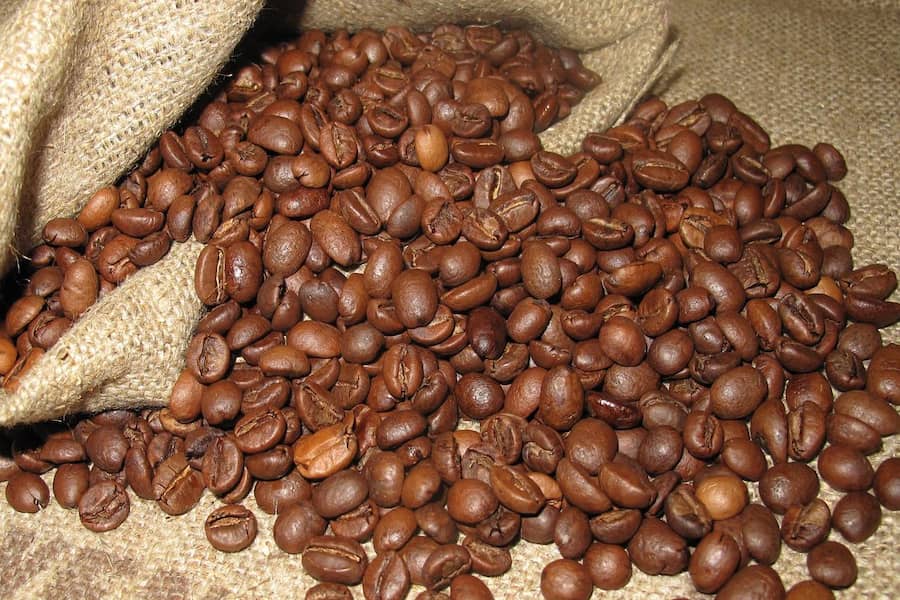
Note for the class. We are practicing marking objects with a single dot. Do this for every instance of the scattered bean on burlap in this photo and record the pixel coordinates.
(93, 84)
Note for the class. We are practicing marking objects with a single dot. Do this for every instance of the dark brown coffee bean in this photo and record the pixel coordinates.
(275, 134)
(27, 492)
(755, 581)
(561, 398)
(659, 171)
(487, 560)
(296, 526)
(106, 447)
(386, 577)
(230, 528)
(469, 586)
(445, 563)
(70, 483)
(335, 559)
(656, 549)
(787, 484)
(714, 561)
(874, 412)
(176, 485)
(845, 469)
(833, 564)
(329, 591)
(804, 527)
(259, 431)
(394, 529)
(104, 506)
(760, 534)
(415, 297)
(471, 501)
(856, 516)
(886, 484)
(565, 579)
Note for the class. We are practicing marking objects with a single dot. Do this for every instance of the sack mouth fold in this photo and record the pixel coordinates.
(124, 352)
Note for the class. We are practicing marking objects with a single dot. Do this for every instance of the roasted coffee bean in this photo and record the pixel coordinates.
(760, 534)
(443, 564)
(656, 549)
(686, 515)
(471, 501)
(714, 561)
(833, 564)
(276, 496)
(296, 526)
(104, 506)
(626, 485)
(339, 493)
(335, 559)
(787, 484)
(737, 393)
(565, 579)
(487, 560)
(804, 527)
(886, 484)
(386, 577)
(845, 469)
(755, 581)
(230, 528)
(329, 591)
(176, 485)
(27, 492)
(856, 516)
(70, 482)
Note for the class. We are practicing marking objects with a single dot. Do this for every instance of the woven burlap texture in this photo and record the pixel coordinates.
(627, 44)
(809, 71)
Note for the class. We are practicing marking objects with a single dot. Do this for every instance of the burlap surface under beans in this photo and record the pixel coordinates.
(807, 71)
(80, 125)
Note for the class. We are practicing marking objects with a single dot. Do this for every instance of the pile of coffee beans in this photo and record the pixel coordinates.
(638, 331)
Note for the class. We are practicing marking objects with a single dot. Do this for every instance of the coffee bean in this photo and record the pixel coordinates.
(230, 528)
(27, 492)
(758, 581)
(809, 589)
(724, 496)
(70, 483)
(760, 534)
(386, 577)
(104, 506)
(856, 516)
(565, 579)
(832, 563)
(176, 485)
(714, 561)
(296, 526)
(329, 591)
(805, 526)
(845, 469)
(471, 501)
(335, 559)
(656, 549)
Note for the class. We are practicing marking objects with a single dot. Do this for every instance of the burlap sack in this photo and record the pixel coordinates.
(809, 71)
(92, 91)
